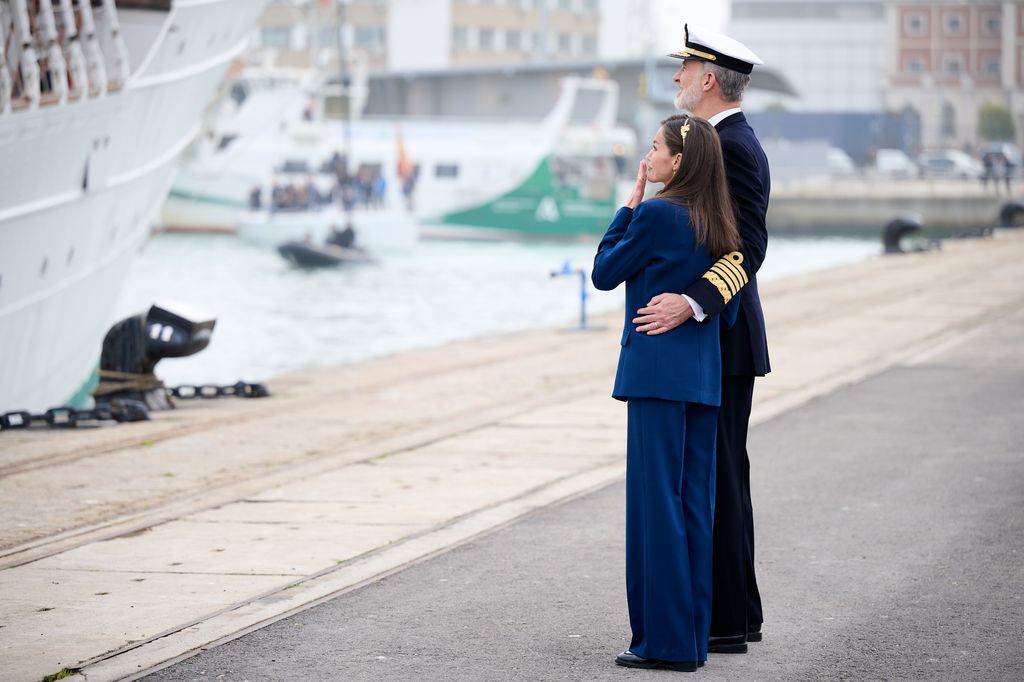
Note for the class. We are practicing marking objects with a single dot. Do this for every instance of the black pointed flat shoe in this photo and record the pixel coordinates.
(627, 659)
(727, 645)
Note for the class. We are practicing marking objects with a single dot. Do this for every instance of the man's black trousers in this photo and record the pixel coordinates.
(736, 603)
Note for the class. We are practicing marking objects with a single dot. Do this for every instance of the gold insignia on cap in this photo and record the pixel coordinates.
(727, 275)
(690, 52)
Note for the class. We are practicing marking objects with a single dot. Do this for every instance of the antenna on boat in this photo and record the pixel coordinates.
(344, 104)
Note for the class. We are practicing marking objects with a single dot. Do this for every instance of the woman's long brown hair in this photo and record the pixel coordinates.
(700, 184)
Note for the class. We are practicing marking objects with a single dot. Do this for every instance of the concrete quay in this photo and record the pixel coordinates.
(890, 533)
(127, 547)
(865, 205)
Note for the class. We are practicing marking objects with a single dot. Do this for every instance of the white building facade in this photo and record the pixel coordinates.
(434, 34)
(834, 52)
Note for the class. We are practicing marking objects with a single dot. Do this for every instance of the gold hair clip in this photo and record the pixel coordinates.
(683, 129)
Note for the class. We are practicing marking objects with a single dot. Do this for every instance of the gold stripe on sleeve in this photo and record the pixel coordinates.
(734, 261)
(717, 282)
(729, 277)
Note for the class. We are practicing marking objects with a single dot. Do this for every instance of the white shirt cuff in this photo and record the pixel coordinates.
(698, 311)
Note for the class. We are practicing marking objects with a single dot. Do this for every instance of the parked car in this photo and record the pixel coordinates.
(840, 165)
(894, 163)
(949, 163)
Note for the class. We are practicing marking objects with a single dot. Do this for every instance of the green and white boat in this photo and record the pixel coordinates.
(557, 177)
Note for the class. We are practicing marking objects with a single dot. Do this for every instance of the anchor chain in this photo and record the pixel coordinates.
(239, 389)
(125, 410)
(68, 417)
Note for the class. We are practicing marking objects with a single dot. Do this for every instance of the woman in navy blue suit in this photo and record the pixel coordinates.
(672, 383)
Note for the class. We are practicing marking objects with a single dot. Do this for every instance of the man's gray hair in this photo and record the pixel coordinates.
(731, 83)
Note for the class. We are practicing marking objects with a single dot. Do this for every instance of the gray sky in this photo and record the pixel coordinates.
(633, 28)
(710, 13)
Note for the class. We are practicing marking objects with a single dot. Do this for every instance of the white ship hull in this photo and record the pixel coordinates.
(82, 184)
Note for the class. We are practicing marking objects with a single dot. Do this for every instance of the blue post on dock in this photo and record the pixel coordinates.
(567, 270)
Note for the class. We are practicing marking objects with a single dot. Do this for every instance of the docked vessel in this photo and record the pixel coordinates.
(555, 176)
(86, 160)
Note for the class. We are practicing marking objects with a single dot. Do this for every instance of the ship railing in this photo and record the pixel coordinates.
(50, 53)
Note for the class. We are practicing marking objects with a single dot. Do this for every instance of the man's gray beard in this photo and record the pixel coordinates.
(685, 102)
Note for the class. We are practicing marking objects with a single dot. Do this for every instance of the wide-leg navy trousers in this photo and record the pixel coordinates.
(670, 489)
(735, 600)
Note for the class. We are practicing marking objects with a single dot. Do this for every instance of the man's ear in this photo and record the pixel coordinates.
(709, 80)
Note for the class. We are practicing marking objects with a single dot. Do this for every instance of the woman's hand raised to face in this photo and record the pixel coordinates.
(638, 189)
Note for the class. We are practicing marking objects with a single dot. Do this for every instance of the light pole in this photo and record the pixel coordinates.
(344, 105)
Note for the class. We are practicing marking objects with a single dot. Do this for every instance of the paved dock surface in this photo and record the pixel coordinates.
(890, 546)
(129, 546)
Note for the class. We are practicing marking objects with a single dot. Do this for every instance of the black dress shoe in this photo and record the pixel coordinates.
(727, 645)
(754, 635)
(628, 659)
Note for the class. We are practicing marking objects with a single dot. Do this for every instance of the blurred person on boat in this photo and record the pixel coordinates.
(346, 238)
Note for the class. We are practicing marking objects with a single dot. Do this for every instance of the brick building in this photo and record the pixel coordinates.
(948, 59)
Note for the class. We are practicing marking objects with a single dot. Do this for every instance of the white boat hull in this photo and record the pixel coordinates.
(83, 183)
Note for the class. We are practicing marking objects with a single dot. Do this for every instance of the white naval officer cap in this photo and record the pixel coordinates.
(708, 46)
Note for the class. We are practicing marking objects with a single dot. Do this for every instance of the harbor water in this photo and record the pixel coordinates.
(274, 318)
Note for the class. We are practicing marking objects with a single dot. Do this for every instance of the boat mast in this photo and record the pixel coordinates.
(343, 96)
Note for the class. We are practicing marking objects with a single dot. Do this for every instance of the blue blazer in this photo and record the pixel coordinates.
(653, 250)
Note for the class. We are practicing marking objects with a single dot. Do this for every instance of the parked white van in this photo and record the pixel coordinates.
(894, 163)
(950, 163)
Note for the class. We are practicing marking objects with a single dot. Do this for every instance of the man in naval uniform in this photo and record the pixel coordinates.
(714, 72)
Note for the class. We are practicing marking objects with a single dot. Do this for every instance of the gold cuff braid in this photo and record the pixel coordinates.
(727, 275)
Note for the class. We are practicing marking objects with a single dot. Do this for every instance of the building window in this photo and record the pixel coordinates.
(446, 170)
(914, 24)
(513, 40)
(369, 37)
(328, 36)
(487, 39)
(914, 65)
(954, 24)
(589, 45)
(460, 39)
(565, 5)
(953, 64)
(276, 36)
(993, 24)
(948, 120)
(564, 43)
(992, 66)
(539, 42)
(590, 6)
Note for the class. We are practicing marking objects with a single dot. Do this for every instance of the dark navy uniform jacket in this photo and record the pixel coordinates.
(653, 250)
(745, 345)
